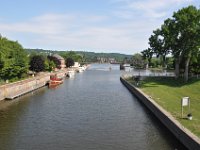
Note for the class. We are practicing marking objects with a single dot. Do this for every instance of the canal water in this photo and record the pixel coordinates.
(92, 111)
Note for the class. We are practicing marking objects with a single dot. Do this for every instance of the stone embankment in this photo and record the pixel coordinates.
(12, 90)
(187, 138)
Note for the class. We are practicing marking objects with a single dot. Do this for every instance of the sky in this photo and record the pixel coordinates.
(111, 26)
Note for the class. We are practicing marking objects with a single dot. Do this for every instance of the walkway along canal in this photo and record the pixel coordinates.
(91, 111)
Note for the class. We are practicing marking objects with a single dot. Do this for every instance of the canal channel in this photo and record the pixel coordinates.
(92, 111)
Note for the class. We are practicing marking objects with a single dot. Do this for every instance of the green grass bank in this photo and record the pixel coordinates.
(168, 92)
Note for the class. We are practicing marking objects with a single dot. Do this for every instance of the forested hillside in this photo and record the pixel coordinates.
(87, 56)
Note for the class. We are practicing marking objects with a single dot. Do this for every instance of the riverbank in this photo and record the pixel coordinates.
(190, 140)
(16, 89)
(168, 93)
(85, 112)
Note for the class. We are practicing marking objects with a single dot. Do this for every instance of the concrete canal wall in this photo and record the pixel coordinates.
(187, 138)
(12, 90)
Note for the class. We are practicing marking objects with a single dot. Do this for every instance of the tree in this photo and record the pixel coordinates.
(187, 24)
(195, 65)
(1, 62)
(13, 60)
(147, 54)
(37, 63)
(180, 36)
(49, 65)
(159, 45)
(69, 62)
(138, 61)
(55, 60)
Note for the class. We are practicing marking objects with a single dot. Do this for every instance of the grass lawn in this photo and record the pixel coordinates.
(167, 92)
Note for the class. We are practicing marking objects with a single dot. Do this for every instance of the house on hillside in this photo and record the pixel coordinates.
(61, 59)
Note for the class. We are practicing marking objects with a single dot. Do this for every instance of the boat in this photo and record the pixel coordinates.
(70, 73)
(81, 69)
(54, 81)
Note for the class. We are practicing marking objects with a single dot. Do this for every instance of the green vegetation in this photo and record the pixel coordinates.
(13, 60)
(168, 92)
(37, 63)
(82, 56)
(179, 36)
(137, 61)
(53, 62)
(69, 62)
(93, 57)
(72, 57)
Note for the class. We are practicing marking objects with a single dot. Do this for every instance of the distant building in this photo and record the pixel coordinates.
(112, 60)
(76, 64)
(106, 60)
(102, 59)
(61, 59)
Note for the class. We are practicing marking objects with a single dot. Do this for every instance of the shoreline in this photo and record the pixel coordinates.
(19, 88)
(16, 89)
(185, 136)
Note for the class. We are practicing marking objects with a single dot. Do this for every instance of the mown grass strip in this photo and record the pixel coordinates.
(168, 92)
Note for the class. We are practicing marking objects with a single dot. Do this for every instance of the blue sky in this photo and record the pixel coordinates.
(122, 26)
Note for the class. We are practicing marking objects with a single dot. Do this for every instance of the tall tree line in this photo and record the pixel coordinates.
(13, 60)
(178, 36)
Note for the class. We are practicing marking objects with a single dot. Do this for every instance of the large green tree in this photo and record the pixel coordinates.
(69, 62)
(186, 25)
(138, 61)
(55, 60)
(193, 34)
(180, 36)
(13, 59)
(147, 54)
(37, 63)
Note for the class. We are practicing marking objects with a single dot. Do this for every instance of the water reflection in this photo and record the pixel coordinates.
(92, 111)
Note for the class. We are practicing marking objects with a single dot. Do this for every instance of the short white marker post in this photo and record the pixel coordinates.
(185, 102)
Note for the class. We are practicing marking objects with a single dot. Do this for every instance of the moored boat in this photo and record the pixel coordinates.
(54, 81)
(70, 73)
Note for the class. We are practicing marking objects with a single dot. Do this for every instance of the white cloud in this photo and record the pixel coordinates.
(51, 23)
(124, 36)
(45, 24)
(93, 32)
(74, 31)
(151, 8)
(156, 4)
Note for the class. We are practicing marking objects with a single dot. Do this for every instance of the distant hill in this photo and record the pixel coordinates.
(92, 56)
(89, 56)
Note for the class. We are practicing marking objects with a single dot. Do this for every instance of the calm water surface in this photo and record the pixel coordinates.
(92, 111)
